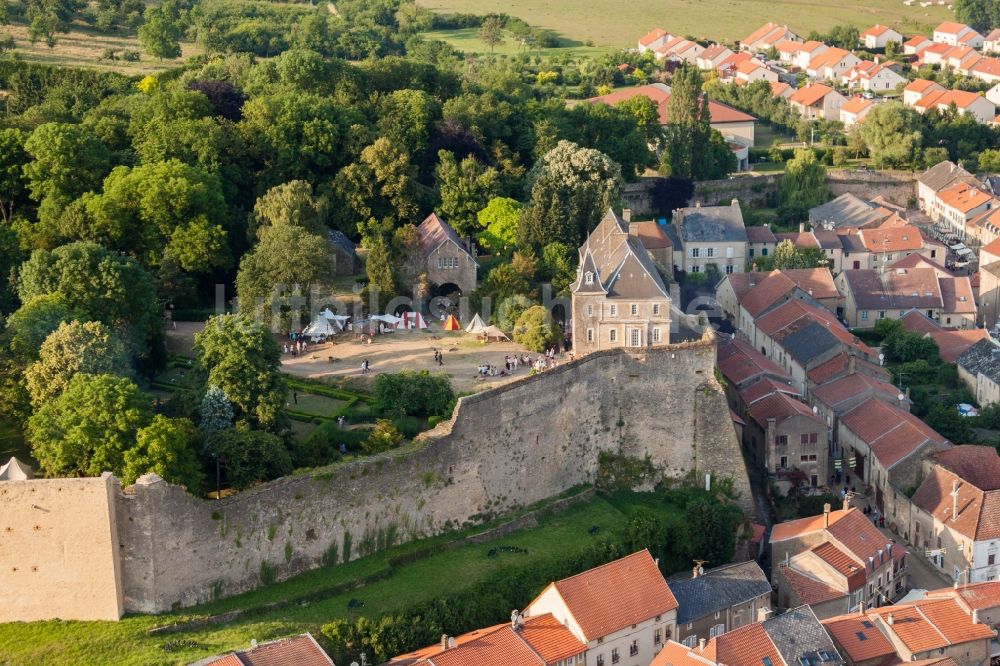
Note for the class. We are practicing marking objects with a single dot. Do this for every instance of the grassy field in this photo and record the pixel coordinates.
(467, 41)
(558, 535)
(620, 24)
(83, 46)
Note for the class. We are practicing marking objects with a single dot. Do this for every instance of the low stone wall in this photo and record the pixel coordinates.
(899, 187)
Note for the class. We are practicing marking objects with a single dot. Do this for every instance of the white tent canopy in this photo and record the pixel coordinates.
(329, 314)
(386, 319)
(492, 332)
(413, 320)
(477, 325)
(15, 470)
(320, 327)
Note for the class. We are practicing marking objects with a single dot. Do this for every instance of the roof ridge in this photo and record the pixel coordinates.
(529, 645)
(930, 622)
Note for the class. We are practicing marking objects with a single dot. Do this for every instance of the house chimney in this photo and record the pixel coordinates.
(889, 620)
(847, 503)
(975, 616)
(444, 642)
(734, 202)
(695, 571)
(852, 363)
(627, 214)
(826, 515)
(701, 645)
(802, 227)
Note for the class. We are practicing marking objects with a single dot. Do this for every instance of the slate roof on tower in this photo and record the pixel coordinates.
(620, 264)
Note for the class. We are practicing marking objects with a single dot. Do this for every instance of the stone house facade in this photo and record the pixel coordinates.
(619, 298)
(719, 600)
(449, 263)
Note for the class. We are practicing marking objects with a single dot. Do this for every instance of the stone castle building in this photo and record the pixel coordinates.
(619, 299)
(450, 265)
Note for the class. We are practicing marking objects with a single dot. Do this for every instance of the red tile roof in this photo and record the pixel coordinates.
(799, 239)
(719, 113)
(765, 387)
(652, 36)
(791, 529)
(916, 321)
(891, 433)
(931, 624)
(976, 596)
(675, 654)
(952, 344)
(302, 650)
(851, 386)
(920, 85)
(745, 646)
(811, 93)
(760, 33)
(858, 638)
(951, 28)
(956, 295)
(781, 407)
(978, 511)
(892, 239)
(761, 234)
(963, 197)
(616, 595)
(651, 234)
(769, 289)
(809, 590)
(875, 31)
(979, 465)
(739, 362)
(842, 563)
(856, 105)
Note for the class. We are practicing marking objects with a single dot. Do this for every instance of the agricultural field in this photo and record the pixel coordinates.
(84, 46)
(618, 24)
(370, 586)
(467, 41)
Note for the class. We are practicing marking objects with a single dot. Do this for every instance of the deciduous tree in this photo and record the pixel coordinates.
(161, 31)
(465, 188)
(499, 221)
(168, 448)
(535, 329)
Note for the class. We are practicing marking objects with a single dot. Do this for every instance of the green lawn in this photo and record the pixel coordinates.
(467, 41)
(620, 24)
(560, 535)
(309, 403)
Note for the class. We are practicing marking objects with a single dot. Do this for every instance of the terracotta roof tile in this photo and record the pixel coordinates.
(739, 362)
(952, 344)
(842, 563)
(616, 595)
(810, 94)
(963, 197)
(979, 465)
(675, 654)
(760, 234)
(892, 434)
(858, 637)
(951, 28)
(302, 650)
(660, 94)
(745, 646)
(932, 623)
(550, 639)
(652, 36)
(839, 391)
(956, 295)
(810, 590)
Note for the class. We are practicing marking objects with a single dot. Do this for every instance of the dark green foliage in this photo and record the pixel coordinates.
(414, 393)
(248, 456)
(945, 419)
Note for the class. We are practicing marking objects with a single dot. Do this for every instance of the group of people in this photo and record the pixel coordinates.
(513, 362)
(364, 367)
(438, 357)
(296, 347)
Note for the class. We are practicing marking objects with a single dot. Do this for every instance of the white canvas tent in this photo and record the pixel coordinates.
(319, 328)
(336, 318)
(413, 320)
(477, 325)
(493, 333)
(15, 470)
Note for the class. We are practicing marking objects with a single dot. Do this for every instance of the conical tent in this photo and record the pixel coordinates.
(451, 324)
(494, 333)
(320, 327)
(413, 320)
(15, 470)
(477, 325)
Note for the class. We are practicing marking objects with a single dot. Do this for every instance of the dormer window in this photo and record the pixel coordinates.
(588, 278)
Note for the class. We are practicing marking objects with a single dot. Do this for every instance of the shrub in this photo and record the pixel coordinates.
(384, 436)
(414, 393)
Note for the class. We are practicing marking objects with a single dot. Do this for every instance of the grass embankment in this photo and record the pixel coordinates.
(444, 570)
(619, 24)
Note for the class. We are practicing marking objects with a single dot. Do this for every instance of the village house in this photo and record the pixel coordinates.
(736, 127)
(859, 640)
(745, 297)
(915, 45)
(979, 368)
(937, 178)
(989, 284)
(836, 563)
(760, 242)
(986, 69)
(877, 36)
(966, 103)
(301, 650)
(711, 57)
(983, 229)
(800, 337)
(834, 398)
(807, 52)
(954, 34)
(873, 76)
(991, 42)
(653, 39)
(743, 366)
(959, 203)
(854, 110)
(794, 638)
(934, 54)
(714, 601)
(765, 37)
(847, 211)
(753, 70)
(831, 64)
(934, 629)
(871, 295)
(978, 600)
(783, 435)
(449, 264)
(951, 342)
(534, 641)
(657, 243)
(618, 298)
(817, 101)
(955, 514)
(918, 89)
(712, 236)
(782, 90)
(620, 610)
(882, 447)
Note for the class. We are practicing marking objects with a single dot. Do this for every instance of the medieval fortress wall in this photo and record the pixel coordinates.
(502, 449)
